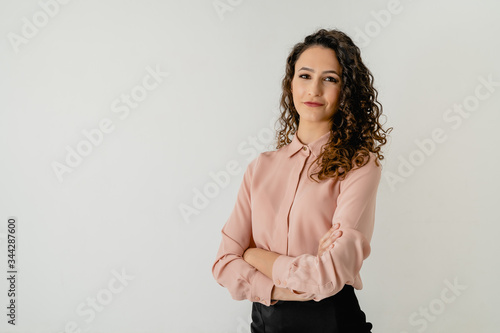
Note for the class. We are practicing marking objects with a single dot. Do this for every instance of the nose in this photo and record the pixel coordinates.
(314, 88)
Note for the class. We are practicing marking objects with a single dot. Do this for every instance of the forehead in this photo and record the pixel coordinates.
(319, 58)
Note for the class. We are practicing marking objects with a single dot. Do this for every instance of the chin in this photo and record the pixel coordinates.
(313, 117)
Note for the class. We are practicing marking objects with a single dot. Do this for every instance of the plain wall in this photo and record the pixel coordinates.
(102, 243)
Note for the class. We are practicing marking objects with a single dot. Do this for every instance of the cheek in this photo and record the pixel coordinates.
(294, 88)
(295, 91)
(334, 96)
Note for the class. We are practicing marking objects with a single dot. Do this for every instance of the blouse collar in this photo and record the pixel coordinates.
(315, 146)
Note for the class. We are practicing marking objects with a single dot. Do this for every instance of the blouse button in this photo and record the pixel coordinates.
(278, 281)
(304, 148)
(257, 298)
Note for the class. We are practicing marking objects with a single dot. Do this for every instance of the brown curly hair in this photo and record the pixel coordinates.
(355, 127)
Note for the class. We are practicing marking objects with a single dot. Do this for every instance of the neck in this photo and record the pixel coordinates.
(308, 132)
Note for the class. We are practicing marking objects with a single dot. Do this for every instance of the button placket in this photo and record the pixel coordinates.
(299, 163)
(306, 150)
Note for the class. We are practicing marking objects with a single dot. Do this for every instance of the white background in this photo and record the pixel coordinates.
(119, 209)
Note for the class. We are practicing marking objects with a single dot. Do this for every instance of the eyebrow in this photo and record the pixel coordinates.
(312, 70)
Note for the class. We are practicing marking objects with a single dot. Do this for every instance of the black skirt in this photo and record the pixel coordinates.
(339, 313)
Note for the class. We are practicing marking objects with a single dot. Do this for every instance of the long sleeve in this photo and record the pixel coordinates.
(323, 276)
(241, 279)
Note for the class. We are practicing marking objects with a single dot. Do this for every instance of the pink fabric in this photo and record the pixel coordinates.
(280, 209)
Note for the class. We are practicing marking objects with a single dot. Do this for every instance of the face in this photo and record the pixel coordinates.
(316, 85)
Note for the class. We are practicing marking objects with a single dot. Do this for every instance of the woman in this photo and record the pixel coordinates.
(304, 216)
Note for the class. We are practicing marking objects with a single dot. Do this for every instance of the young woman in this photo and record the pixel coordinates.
(296, 239)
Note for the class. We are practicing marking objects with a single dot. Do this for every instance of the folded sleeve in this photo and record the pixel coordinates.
(230, 270)
(322, 276)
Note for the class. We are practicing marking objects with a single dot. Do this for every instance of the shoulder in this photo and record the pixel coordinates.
(271, 155)
(374, 162)
(266, 159)
(370, 161)
(364, 180)
(371, 167)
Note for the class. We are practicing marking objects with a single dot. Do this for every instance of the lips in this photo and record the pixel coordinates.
(313, 104)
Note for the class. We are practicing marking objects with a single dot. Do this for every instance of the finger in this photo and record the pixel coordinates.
(330, 232)
(325, 244)
(325, 236)
(329, 238)
(334, 235)
(328, 242)
(334, 227)
(328, 248)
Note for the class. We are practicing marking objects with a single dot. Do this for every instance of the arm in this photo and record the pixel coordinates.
(323, 276)
(242, 280)
(263, 260)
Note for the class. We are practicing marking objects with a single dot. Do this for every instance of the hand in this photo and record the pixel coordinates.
(284, 294)
(327, 241)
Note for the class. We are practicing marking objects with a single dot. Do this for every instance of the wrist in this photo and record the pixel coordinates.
(285, 294)
(277, 293)
(247, 255)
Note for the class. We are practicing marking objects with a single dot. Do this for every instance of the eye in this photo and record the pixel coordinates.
(331, 79)
(304, 76)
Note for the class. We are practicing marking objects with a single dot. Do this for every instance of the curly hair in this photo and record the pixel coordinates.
(355, 129)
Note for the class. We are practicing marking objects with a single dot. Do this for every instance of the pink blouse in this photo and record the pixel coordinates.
(280, 209)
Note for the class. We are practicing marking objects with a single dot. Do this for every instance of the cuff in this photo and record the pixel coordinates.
(281, 270)
(282, 267)
(262, 287)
